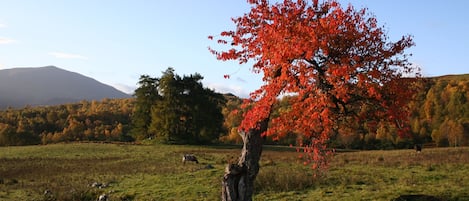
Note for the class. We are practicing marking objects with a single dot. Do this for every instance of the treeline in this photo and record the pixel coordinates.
(175, 109)
(105, 120)
(439, 116)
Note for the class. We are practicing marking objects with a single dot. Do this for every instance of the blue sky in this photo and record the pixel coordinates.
(116, 41)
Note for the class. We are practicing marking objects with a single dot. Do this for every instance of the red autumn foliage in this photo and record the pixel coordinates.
(338, 64)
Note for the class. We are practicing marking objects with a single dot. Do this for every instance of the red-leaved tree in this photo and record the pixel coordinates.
(336, 63)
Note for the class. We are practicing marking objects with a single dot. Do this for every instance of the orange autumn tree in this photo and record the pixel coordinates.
(337, 64)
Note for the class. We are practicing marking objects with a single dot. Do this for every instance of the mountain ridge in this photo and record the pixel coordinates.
(50, 85)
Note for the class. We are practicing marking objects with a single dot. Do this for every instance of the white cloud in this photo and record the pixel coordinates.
(3, 25)
(236, 90)
(6, 40)
(63, 55)
(124, 88)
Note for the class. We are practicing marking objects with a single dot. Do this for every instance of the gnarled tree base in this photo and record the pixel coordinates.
(234, 183)
(238, 181)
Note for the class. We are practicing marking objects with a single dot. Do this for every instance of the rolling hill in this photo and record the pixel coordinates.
(50, 85)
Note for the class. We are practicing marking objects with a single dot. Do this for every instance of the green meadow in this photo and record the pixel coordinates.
(84, 171)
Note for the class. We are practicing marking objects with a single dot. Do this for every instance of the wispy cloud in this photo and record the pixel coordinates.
(6, 40)
(63, 55)
(239, 79)
(3, 25)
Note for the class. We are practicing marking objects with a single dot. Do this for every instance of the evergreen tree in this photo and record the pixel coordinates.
(166, 114)
(146, 95)
(187, 112)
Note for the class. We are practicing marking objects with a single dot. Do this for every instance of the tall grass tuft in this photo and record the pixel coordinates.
(283, 179)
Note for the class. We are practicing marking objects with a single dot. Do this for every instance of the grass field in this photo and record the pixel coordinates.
(83, 171)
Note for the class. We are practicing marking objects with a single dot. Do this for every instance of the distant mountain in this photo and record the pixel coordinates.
(50, 86)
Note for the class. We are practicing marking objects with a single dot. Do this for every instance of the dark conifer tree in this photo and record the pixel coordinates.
(146, 96)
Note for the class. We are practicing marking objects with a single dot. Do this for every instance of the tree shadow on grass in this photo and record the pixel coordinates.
(418, 197)
(421, 197)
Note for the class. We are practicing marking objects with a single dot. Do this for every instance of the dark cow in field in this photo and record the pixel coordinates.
(418, 148)
(189, 157)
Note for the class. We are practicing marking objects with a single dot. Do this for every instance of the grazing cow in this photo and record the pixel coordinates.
(189, 157)
(418, 148)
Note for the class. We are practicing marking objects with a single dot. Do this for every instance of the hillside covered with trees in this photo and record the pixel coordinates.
(441, 111)
(439, 115)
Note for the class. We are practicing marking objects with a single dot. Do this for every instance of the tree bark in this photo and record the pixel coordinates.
(238, 181)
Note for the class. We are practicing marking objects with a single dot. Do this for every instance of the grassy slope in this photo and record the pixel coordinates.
(134, 172)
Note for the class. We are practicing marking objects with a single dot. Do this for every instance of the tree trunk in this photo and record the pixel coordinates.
(238, 181)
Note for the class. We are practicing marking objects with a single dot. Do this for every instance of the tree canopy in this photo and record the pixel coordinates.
(145, 96)
(177, 109)
(337, 62)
